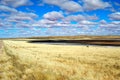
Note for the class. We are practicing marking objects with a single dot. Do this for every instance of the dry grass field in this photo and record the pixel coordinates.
(26, 61)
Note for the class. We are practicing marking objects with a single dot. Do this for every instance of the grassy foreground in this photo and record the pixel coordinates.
(25, 61)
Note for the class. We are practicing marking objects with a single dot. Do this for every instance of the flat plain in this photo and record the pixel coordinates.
(20, 60)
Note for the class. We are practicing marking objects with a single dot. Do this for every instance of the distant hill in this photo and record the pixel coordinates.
(82, 37)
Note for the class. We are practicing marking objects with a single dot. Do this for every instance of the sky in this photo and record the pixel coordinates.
(29, 18)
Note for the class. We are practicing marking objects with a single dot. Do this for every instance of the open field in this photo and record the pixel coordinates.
(26, 61)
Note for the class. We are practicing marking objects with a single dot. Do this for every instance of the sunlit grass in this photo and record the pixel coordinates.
(25, 61)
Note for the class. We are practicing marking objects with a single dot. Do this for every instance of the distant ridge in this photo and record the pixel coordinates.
(81, 37)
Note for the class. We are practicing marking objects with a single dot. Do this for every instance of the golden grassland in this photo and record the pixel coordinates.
(26, 61)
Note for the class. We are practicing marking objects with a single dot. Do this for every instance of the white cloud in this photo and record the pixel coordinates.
(21, 16)
(115, 16)
(117, 4)
(68, 5)
(5, 23)
(74, 18)
(71, 6)
(54, 2)
(1, 24)
(86, 22)
(111, 26)
(7, 9)
(103, 22)
(116, 22)
(53, 16)
(95, 4)
(56, 19)
(16, 3)
(3, 15)
(46, 21)
(23, 24)
(93, 17)
(79, 18)
(19, 19)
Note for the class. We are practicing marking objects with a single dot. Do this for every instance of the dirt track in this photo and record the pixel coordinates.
(1, 44)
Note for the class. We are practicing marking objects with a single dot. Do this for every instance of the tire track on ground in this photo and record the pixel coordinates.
(1, 45)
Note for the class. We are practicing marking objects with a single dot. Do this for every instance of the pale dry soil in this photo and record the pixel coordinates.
(26, 61)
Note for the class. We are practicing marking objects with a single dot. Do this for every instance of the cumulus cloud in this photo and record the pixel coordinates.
(115, 16)
(46, 21)
(95, 4)
(116, 22)
(54, 2)
(93, 17)
(79, 18)
(71, 6)
(68, 5)
(7, 9)
(19, 19)
(111, 27)
(103, 22)
(107, 28)
(3, 15)
(4, 24)
(1, 24)
(117, 4)
(55, 19)
(23, 25)
(53, 16)
(86, 22)
(74, 18)
(21, 16)
(16, 3)
(74, 6)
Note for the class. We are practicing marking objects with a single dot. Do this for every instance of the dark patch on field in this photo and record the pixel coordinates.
(79, 42)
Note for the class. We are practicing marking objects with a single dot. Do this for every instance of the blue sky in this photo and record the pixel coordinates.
(27, 18)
